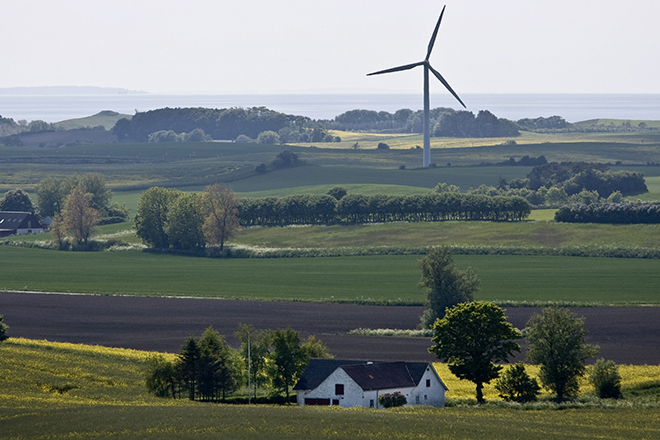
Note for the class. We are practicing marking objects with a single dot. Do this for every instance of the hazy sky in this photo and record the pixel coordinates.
(271, 46)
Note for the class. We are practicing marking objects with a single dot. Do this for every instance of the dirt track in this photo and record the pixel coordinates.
(625, 335)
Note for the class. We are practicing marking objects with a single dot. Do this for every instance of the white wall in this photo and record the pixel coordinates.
(433, 395)
(352, 391)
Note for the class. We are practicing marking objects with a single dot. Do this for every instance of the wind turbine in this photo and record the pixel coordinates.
(427, 68)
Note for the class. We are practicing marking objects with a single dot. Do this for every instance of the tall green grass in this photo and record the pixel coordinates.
(389, 279)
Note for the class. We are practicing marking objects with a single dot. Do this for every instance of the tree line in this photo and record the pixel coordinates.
(360, 208)
(209, 369)
(613, 213)
(169, 218)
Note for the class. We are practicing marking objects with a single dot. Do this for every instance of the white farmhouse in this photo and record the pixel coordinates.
(349, 383)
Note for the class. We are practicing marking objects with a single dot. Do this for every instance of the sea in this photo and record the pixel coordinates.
(572, 107)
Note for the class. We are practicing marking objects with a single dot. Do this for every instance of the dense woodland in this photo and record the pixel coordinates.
(217, 123)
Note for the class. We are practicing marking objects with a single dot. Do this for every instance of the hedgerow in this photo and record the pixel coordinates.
(613, 213)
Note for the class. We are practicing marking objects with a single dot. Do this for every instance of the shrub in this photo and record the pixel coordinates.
(392, 400)
(160, 376)
(515, 385)
(337, 192)
(268, 137)
(164, 136)
(262, 168)
(383, 146)
(604, 376)
(3, 330)
(243, 139)
(196, 135)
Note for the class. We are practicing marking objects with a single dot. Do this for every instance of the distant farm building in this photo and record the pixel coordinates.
(19, 223)
(348, 383)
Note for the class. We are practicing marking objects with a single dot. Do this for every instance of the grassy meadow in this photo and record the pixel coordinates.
(65, 391)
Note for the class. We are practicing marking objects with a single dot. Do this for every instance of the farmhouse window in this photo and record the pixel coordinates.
(416, 399)
(428, 383)
(339, 389)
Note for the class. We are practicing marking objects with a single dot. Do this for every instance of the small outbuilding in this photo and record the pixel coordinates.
(349, 383)
(19, 223)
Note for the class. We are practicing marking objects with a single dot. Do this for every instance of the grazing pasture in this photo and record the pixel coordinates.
(388, 279)
(104, 396)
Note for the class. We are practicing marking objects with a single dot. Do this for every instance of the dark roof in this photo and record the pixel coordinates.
(319, 369)
(12, 220)
(368, 375)
(381, 376)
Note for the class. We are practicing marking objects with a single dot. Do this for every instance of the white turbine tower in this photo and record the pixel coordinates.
(427, 67)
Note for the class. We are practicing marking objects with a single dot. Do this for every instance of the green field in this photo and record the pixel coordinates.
(197, 164)
(66, 391)
(368, 279)
(529, 234)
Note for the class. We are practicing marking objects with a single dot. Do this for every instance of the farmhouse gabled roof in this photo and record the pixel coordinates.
(12, 220)
(368, 375)
(319, 369)
(381, 376)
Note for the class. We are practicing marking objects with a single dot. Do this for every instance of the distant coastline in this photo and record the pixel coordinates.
(572, 107)
(66, 91)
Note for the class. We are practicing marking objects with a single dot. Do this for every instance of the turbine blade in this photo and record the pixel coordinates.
(435, 34)
(397, 69)
(446, 84)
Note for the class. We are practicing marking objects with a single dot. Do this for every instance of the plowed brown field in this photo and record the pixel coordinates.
(625, 335)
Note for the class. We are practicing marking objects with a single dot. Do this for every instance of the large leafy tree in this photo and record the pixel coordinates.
(290, 357)
(557, 342)
(49, 196)
(78, 216)
(152, 215)
(16, 200)
(94, 184)
(471, 338)
(446, 286)
(184, 223)
(52, 192)
(219, 208)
